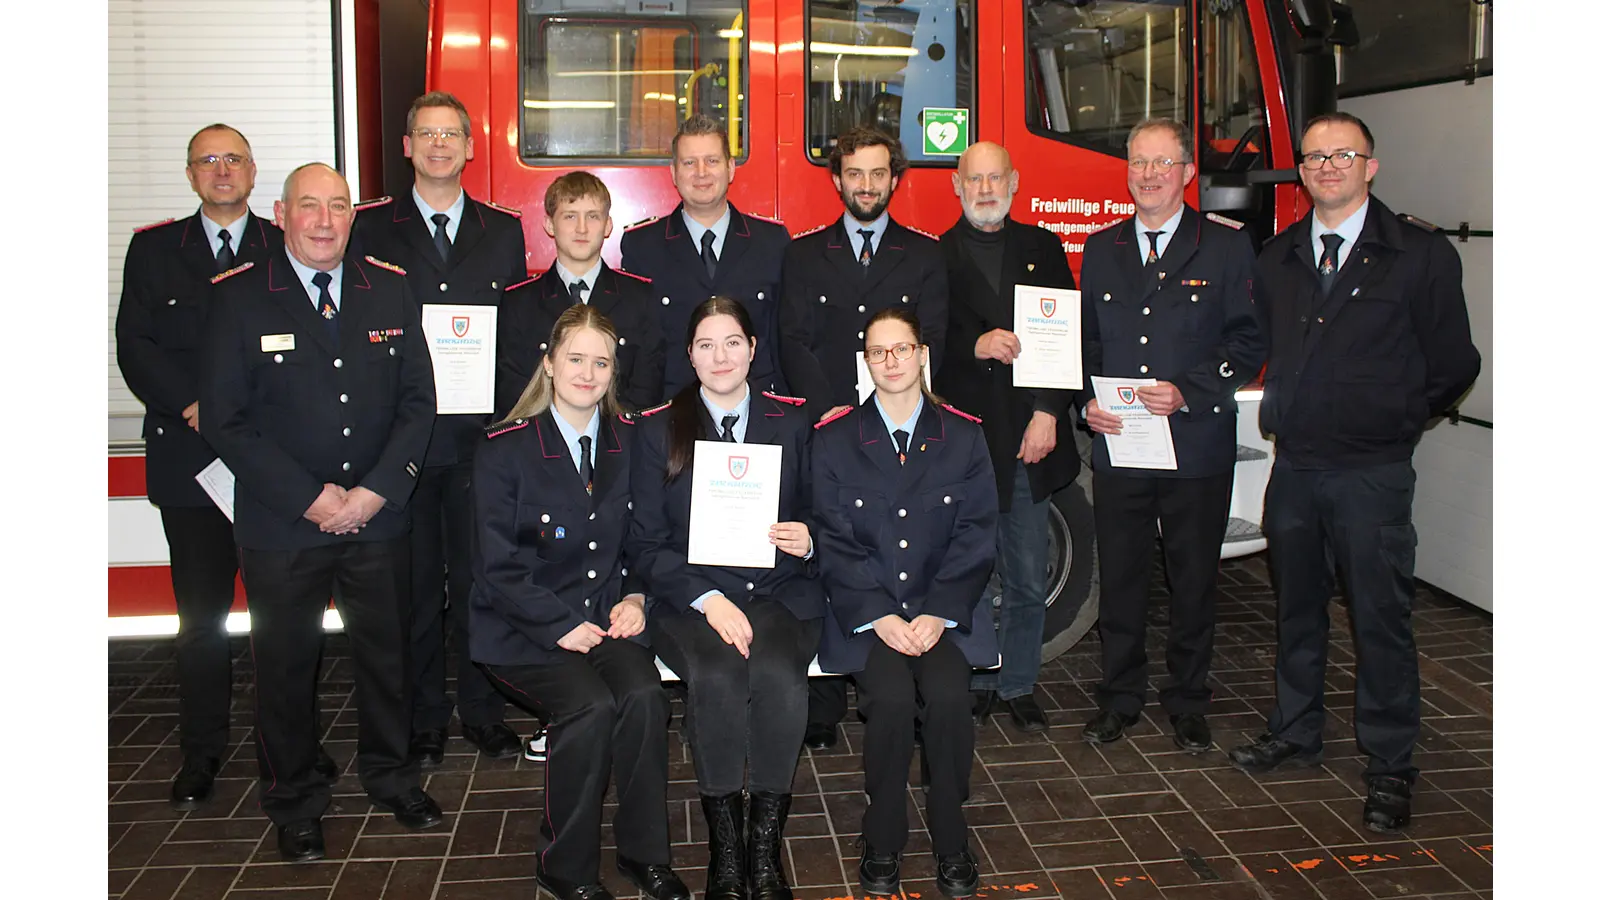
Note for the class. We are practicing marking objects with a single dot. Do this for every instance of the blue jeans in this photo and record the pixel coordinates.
(1024, 545)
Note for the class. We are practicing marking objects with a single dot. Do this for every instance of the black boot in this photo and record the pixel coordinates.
(768, 813)
(725, 873)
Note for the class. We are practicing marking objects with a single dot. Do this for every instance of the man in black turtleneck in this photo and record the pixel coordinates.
(1029, 430)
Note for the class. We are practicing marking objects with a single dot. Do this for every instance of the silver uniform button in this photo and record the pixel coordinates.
(761, 295)
(947, 499)
(517, 422)
(586, 601)
(443, 286)
(591, 573)
(344, 398)
(159, 431)
(858, 503)
(665, 300)
(347, 431)
(905, 606)
(338, 364)
(622, 341)
(861, 335)
(905, 298)
(391, 351)
(593, 545)
(1143, 339)
(902, 514)
(543, 345)
(345, 467)
(822, 298)
(1147, 310)
(903, 576)
(1106, 297)
(1194, 298)
(591, 517)
(277, 357)
(630, 506)
(1216, 409)
(624, 570)
(749, 585)
(861, 308)
(545, 518)
(494, 284)
(1143, 369)
(903, 544)
(173, 302)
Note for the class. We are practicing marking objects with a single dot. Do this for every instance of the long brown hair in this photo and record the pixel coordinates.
(684, 425)
(901, 314)
(540, 392)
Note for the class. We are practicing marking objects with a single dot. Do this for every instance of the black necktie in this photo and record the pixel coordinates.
(441, 238)
(1152, 256)
(577, 288)
(586, 465)
(225, 255)
(1328, 266)
(727, 428)
(329, 312)
(866, 247)
(707, 254)
(902, 442)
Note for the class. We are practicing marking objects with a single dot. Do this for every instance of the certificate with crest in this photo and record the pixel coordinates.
(1146, 438)
(733, 503)
(1048, 325)
(461, 343)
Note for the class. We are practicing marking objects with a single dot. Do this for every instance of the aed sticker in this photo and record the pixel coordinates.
(944, 131)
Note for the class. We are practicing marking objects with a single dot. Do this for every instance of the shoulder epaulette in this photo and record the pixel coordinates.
(965, 415)
(154, 225)
(810, 231)
(1235, 224)
(531, 279)
(644, 413)
(1420, 223)
(376, 201)
(642, 222)
(835, 417)
(631, 275)
(772, 219)
(1108, 225)
(792, 401)
(626, 418)
(508, 210)
(927, 234)
(220, 276)
(495, 431)
(385, 265)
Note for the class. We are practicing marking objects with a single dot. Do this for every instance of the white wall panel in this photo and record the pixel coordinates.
(175, 66)
(1454, 511)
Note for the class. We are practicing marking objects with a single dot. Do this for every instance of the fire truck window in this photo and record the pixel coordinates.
(1095, 69)
(600, 81)
(882, 63)
(1233, 132)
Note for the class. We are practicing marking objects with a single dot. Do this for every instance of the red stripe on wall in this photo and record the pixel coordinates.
(125, 477)
(147, 591)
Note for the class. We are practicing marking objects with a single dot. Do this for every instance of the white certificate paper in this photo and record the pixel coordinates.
(1047, 325)
(733, 503)
(217, 480)
(1146, 438)
(461, 344)
(864, 385)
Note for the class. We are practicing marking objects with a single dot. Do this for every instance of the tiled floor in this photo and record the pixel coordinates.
(1051, 815)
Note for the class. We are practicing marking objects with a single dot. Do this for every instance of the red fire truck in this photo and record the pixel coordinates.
(602, 84)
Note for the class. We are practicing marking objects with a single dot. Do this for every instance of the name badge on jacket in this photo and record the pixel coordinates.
(271, 342)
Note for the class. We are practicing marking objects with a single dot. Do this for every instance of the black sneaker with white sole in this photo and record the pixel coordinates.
(533, 748)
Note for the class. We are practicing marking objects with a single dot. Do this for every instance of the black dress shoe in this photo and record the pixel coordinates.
(655, 882)
(880, 872)
(301, 841)
(1190, 732)
(325, 768)
(413, 809)
(982, 707)
(567, 890)
(1388, 807)
(1026, 714)
(495, 741)
(821, 735)
(193, 783)
(427, 746)
(958, 874)
(1268, 752)
(1107, 726)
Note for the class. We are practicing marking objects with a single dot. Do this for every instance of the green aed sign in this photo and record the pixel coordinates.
(944, 131)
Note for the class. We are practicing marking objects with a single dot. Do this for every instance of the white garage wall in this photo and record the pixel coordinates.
(174, 66)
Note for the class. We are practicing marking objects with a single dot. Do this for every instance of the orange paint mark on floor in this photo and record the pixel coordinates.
(1308, 864)
(1488, 847)
(1359, 858)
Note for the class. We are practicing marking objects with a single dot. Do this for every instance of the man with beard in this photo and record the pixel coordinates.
(1166, 297)
(455, 250)
(1370, 340)
(709, 246)
(834, 278)
(1028, 430)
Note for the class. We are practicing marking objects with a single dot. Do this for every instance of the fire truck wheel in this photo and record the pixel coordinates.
(1073, 595)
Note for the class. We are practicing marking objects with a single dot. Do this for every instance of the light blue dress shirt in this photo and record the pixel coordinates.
(214, 233)
(1349, 229)
(306, 273)
(456, 210)
(1167, 229)
(877, 227)
(571, 435)
(719, 230)
(568, 277)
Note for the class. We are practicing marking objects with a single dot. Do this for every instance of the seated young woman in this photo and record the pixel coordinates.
(741, 638)
(906, 510)
(558, 622)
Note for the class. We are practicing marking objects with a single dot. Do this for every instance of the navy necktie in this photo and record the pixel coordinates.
(225, 255)
(441, 238)
(1328, 266)
(576, 289)
(727, 428)
(326, 309)
(866, 246)
(1152, 256)
(586, 465)
(707, 254)
(902, 442)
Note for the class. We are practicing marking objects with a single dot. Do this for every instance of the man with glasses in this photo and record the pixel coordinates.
(1166, 298)
(1029, 430)
(1370, 340)
(455, 250)
(161, 320)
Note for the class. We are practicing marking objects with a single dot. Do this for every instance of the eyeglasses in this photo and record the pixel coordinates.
(1161, 166)
(901, 351)
(447, 135)
(231, 160)
(1344, 159)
